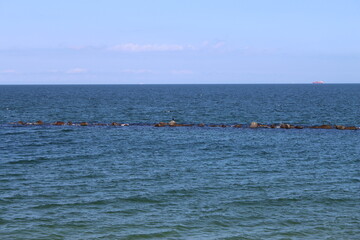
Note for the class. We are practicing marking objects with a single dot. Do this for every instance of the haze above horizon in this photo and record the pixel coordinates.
(168, 42)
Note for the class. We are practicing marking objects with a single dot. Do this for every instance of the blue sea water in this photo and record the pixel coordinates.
(142, 182)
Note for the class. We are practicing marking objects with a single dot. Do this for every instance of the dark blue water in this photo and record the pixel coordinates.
(142, 182)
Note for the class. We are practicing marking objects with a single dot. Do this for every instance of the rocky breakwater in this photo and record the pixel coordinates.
(173, 123)
(282, 125)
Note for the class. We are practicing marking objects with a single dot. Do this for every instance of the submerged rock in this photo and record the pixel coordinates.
(322, 127)
(183, 125)
(100, 124)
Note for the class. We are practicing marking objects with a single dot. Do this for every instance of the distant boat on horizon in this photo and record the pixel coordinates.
(318, 82)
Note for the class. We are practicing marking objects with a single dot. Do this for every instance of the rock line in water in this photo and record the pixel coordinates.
(172, 123)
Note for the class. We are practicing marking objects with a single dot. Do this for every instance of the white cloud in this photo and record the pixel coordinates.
(8, 71)
(77, 70)
(78, 47)
(212, 45)
(133, 47)
(136, 71)
(218, 45)
(178, 72)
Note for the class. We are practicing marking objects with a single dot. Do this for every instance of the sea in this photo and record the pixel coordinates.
(143, 182)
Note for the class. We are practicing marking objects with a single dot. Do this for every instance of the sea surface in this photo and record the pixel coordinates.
(143, 182)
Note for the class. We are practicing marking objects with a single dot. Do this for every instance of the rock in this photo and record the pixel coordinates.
(322, 127)
(58, 123)
(160, 124)
(39, 122)
(172, 123)
(115, 124)
(351, 128)
(254, 125)
(264, 126)
(218, 125)
(69, 123)
(298, 127)
(21, 123)
(84, 124)
(286, 126)
(183, 125)
(340, 127)
(237, 126)
(124, 124)
(201, 125)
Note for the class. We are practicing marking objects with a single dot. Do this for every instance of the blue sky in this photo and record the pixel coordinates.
(158, 41)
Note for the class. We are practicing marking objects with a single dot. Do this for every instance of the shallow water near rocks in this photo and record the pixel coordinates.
(141, 182)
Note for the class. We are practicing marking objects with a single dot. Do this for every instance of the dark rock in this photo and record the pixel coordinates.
(298, 127)
(340, 127)
(39, 122)
(100, 124)
(184, 125)
(201, 125)
(21, 123)
(69, 123)
(84, 124)
(322, 127)
(237, 126)
(115, 124)
(58, 123)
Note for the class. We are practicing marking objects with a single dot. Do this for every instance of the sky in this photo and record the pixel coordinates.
(175, 42)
